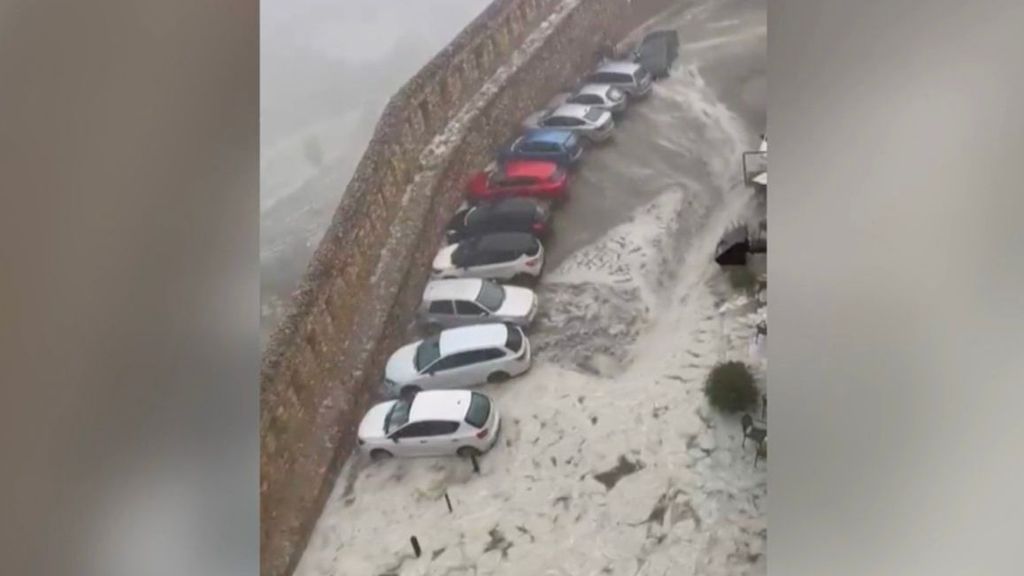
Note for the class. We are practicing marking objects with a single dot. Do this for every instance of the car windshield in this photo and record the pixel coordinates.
(427, 352)
(397, 416)
(479, 410)
(491, 296)
(593, 114)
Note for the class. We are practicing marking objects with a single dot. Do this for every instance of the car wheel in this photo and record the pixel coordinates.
(468, 451)
(379, 454)
(497, 377)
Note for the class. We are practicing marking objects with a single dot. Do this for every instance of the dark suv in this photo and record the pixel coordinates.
(505, 215)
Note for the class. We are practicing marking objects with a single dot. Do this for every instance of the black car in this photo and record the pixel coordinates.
(657, 51)
(505, 215)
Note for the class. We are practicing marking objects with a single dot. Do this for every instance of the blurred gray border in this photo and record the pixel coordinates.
(129, 304)
(896, 266)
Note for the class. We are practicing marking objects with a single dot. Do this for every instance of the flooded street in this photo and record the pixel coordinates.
(609, 460)
(327, 68)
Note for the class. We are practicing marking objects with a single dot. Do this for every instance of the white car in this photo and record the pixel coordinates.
(604, 96)
(466, 301)
(459, 358)
(501, 256)
(590, 122)
(630, 77)
(434, 423)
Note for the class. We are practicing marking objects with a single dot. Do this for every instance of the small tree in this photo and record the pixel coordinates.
(730, 387)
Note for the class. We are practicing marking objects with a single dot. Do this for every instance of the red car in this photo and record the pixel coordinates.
(534, 178)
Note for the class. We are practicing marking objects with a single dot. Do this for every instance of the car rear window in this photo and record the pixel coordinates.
(593, 114)
(515, 339)
(491, 296)
(479, 410)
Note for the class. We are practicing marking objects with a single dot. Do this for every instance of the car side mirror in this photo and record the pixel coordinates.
(394, 439)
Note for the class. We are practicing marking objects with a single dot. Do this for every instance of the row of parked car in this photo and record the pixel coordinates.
(477, 305)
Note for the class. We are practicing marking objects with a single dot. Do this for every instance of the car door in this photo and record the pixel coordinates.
(426, 438)
(444, 439)
(497, 265)
(470, 312)
(411, 440)
(442, 312)
(452, 371)
(487, 361)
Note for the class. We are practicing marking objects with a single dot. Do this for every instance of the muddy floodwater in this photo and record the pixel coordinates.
(609, 459)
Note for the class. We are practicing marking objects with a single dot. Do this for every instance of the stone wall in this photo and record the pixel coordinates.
(357, 299)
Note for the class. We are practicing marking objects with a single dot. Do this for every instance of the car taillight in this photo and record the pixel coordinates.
(538, 226)
(482, 433)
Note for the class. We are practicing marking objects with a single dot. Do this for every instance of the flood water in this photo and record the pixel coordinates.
(609, 459)
(327, 68)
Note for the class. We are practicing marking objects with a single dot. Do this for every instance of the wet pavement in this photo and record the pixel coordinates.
(610, 461)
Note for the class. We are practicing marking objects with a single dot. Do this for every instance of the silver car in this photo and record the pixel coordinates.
(603, 96)
(466, 301)
(630, 77)
(590, 122)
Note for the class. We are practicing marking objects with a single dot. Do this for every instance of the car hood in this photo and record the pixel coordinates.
(400, 367)
(518, 301)
(372, 425)
(443, 260)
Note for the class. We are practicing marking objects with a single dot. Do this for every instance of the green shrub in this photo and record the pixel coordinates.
(730, 387)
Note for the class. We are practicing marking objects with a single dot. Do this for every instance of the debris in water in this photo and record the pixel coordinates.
(498, 542)
(611, 477)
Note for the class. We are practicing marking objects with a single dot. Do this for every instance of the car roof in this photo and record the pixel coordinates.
(512, 207)
(465, 338)
(624, 67)
(574, 110)
(555, 136)
(456, 289)
(534, 168)
(519, 241)
(599, 89)
(440, 405)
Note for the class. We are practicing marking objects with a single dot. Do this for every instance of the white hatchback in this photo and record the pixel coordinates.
(466, 301)
(433, 423)
(458, 358)
(501, 256)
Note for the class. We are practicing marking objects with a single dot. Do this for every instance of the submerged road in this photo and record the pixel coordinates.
(610, 461)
